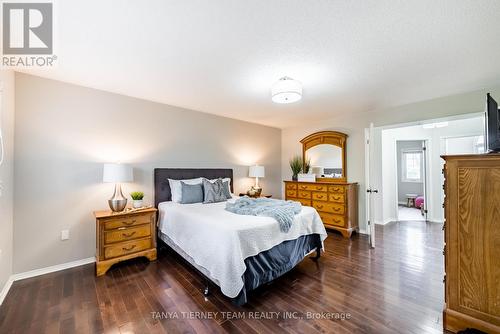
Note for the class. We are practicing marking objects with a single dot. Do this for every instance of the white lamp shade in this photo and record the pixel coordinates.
(116, 173)
(286, 90)
(256, 171)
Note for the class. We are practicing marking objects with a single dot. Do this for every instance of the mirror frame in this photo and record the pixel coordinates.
(327, 137)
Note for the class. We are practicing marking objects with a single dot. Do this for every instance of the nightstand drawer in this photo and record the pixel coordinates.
(126, 248)
(125, 234)
(291, 186)
(291, 193)
(118, 222)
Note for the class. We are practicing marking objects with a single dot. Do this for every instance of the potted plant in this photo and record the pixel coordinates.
(137, 197)
(307, 165)
(295, 166)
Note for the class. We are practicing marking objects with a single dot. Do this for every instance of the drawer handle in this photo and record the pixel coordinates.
(336, 198)
(319, 188)
(303, 187)
(320, 206)
(128, 248)
(336, 220)
(128, 235)
(336, 209)
(319, 196)
(129, 223)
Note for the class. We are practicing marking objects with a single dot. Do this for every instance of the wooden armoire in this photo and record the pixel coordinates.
(472, 242)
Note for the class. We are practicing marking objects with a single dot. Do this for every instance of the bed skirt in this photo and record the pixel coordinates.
(263, 267)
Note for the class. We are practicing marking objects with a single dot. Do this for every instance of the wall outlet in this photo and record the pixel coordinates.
(64, 235)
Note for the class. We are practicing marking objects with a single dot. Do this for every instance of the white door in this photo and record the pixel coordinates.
(370, 192)
(424, 178)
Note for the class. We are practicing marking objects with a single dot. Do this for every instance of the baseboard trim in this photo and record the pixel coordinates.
(5, 289)
(51, 269)
(385, 222)
(41, 271)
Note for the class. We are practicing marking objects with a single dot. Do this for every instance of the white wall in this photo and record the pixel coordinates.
(354, 126)
(64, 133)
(465, 127)
(7, 176)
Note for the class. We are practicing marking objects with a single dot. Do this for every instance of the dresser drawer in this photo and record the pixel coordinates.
(313, 187)
(339, 198)
(319, 196)
(336, 189)
(329, 207)
(118, 222)
(332, 219)
(291, 193)
(127, 233)
(126, 248)
(303, 201)
(304, 194)
(291, 186)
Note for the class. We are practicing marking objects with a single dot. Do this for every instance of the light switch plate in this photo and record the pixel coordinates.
(64, 235)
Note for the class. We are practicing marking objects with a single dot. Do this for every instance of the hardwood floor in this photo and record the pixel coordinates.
(395, 288)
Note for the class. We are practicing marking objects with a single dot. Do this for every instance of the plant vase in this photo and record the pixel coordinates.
(138, 203)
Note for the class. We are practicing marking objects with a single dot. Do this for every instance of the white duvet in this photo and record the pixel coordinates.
(220, 241)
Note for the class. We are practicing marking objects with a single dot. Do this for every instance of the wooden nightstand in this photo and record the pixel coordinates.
(266, 196)
(124, 236)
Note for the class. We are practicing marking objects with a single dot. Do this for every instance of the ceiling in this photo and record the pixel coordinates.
(222, 56)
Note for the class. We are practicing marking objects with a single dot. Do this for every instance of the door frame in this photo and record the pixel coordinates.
(400, 125)
(425, 184)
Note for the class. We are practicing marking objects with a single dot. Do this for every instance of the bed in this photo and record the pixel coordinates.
(235, 252)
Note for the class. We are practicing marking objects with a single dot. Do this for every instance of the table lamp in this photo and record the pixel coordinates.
(117, 173)
(256, 171)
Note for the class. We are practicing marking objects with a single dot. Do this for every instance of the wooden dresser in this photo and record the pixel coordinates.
(472, 242)
(337, 203)
(123, 236)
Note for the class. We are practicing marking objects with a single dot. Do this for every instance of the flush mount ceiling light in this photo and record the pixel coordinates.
(286, 90)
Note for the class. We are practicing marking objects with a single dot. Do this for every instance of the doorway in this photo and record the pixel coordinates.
(411, 180)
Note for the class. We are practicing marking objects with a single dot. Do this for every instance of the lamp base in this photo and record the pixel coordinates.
(118, 202)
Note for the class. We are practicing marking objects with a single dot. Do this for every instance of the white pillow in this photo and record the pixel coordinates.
(176, 188)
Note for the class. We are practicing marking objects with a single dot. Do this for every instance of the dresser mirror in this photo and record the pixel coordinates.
(325, 152)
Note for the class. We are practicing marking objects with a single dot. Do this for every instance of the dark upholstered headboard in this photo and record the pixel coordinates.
(161, 176)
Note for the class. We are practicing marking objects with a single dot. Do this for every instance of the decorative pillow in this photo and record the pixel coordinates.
(227, 186)
(176, 188)
(214, 192)
(191, 193)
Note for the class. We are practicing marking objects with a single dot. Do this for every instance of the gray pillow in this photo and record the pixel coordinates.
(227, 191)
(214, 192)
(191, 193)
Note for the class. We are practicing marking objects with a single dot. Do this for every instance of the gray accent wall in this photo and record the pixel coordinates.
(63, 135)
(407, 187)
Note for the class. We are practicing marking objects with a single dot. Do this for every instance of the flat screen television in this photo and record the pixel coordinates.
(492, 125)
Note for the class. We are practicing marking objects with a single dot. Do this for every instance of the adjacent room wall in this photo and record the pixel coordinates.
(64, 133)
(354, 126)
(7, 177)
(435, 195)
(403, 186)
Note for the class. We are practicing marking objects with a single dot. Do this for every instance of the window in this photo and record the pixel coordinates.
(411, 166)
